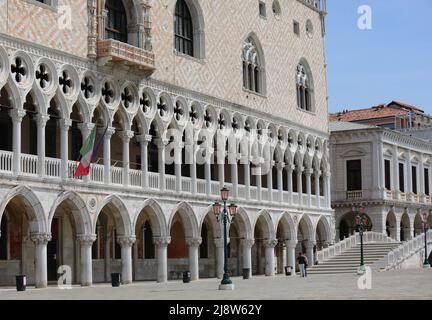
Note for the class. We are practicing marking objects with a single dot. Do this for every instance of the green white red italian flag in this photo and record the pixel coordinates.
(87, 152)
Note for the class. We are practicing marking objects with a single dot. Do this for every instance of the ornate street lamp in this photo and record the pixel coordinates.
(227, 216)
(425, 228)
(361, 223)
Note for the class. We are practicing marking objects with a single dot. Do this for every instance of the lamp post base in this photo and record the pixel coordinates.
(226, 286)
(426, 266)
(361, 270)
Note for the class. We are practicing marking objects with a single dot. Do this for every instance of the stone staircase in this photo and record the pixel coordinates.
(349, 260)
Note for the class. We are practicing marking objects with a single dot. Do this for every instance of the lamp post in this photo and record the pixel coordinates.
(425, 228)
(226, 283)
(361, 222)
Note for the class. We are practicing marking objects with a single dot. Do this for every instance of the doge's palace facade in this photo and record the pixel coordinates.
(187, 96)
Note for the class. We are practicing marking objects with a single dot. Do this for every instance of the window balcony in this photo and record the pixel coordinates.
(152, 180)
(354, 195)
(114, 51)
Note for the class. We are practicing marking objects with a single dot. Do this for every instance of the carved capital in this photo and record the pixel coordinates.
(86, 239)
(281, 165)
(40, 238)
(65, 124)
(86, 128)
(219, 242)
(144, 138)
(126, 241)
(193, 242)
(162, 241)
(291, 244)
(42, 119)
(270, 243)
(126, 135)
(248, 243)
(17, 115)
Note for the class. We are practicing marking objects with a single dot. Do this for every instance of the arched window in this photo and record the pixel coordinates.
(253, 68)
(116, 21)
(183, 29)
(304, 88)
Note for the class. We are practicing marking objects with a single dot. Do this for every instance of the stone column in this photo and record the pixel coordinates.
(259, 181)
(326, 186)
(395, 177)
(247, 254)
(161, 244)
(280, 167)
(291, 257)
(193, 169)
(126, 243)
(270, 181)
(126, 136)
(41, 274)
(107, 259)
(178, 166)
(221, 170)
(317, 188)
(269, 254)
(207, 167)
(65, 124)
(144, 140)
(247, 177)
(193, 244)
(220, 257)
(86, 242)
(107, 155)
(234, 174)
(300, 185)
(309, 172)
(161, 158)
(41, 120)
(290, 183)
(421, 180)
(309, 253)
(17, 116)
(282, 257)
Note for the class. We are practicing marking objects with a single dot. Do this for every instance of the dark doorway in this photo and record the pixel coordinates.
(52, 251)
(343, 230)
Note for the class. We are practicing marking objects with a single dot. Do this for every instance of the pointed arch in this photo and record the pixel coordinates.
(254, 75)
(156, 215)
(188, 218)
(32, 203)
(120, 214)
(81, 215)
(268, 229)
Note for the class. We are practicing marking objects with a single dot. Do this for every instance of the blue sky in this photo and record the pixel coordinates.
(392, 61)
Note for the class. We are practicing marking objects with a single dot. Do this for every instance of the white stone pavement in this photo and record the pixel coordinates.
(402, 284)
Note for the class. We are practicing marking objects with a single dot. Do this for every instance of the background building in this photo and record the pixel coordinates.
(162, 81)
(383, 171)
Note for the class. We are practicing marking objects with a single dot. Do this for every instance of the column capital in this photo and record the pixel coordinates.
(42, 119)
(86, 127)
(193, 242)
(309, 171)
(162, 241)
(318, 173)
(326, 174)
(40, 238)
(290, 167)
(65, 124)
(161, 143)
(144, 138)
(219, 242)
(86, 239)
(270, 243)
(126, 241)
(126, 135)
(108, 133)
(310, 244)
(247, 243)
(291, 244)
(17, 115)
(281, 165)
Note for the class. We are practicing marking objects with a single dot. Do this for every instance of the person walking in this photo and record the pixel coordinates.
(302, 261)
